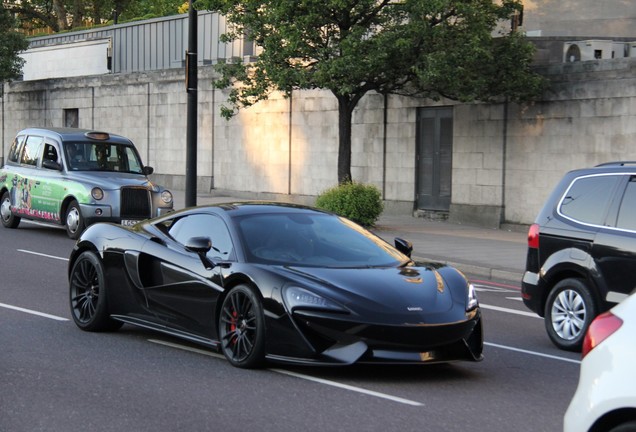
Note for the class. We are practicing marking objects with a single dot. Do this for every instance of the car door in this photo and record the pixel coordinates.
(615, 245)
(27, 176)
(181, 291)
(48, 189)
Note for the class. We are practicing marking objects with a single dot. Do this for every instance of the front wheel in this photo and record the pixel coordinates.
(74, 220)
(242, 328)
(89, 305)
(8, 219)
(569, 310)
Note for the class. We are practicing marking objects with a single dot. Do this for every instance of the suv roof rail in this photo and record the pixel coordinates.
(617, 163)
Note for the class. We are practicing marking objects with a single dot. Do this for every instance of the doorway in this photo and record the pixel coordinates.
(434, 155)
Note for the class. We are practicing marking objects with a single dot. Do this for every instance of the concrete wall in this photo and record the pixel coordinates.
(506, 158)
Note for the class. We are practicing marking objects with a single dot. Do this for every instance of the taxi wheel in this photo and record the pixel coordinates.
(89, 301)
(74, 220)
(8, 219)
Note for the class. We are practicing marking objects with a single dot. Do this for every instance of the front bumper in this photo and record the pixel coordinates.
(328, 340)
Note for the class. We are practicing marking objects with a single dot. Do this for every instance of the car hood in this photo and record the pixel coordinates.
(408, 294)
(111, 180)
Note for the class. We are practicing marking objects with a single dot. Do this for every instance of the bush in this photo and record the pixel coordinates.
(356, 201)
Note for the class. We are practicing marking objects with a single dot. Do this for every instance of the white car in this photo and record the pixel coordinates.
(605, 399)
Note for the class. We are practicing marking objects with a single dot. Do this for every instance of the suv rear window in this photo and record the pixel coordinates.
(587, 199)
(627, 213)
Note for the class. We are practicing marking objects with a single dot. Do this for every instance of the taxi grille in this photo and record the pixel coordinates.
(135, 203)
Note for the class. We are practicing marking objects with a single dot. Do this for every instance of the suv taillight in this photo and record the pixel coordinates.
(533, 236)
(601, 328)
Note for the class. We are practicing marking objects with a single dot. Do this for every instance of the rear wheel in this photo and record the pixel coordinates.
(8, 219)
(569, 310)
(74, 220)
(89, 304)
(242, 328)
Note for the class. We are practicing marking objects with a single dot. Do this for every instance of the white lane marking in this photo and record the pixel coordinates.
(32, 312)
(507, 310)
(349, 387)
(42, 254)
(301, 376)
(532, 353)
(514, 298)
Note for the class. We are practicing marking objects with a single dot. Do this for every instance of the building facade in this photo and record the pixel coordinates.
(486, 164)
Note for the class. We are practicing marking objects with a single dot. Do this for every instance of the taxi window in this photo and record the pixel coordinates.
(14, 152)
(31, 151)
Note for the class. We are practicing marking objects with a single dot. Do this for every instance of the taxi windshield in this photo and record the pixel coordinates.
(102, 156)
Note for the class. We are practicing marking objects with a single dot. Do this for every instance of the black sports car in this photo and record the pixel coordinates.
(274, 281)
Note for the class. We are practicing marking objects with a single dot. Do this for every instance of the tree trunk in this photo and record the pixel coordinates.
(60, 13)
(345, 111)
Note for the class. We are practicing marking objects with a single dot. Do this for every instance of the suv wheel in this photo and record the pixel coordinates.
(569, 310)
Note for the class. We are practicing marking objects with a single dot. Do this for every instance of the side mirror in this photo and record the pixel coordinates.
(404, 246)
(201, 246)
(49, 164)
(147, 170)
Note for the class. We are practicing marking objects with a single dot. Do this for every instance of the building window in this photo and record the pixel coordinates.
(71, 117)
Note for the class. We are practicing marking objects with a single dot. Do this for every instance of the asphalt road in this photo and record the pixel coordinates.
(54, 377)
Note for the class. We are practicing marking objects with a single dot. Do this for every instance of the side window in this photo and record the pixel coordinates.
(14, 152)
(587, 200)
(205, 225)
(51, 153)
(31, 151)
(627, 212)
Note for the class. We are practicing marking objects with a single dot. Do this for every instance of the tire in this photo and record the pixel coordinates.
(630, 426)
(8, 219)
(89, 303)
(242, 328)
(74, 220)
(569, 310)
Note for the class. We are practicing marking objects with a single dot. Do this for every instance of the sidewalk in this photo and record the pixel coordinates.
(490, 253)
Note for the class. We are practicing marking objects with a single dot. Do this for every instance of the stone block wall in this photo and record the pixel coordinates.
(506, 157)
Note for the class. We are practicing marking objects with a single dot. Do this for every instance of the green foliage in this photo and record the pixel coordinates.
(424, 48)
(61, 15)
(11, 43)
(356, 201)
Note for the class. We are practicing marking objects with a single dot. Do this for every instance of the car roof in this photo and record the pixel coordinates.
(242, 208)
(72, 134)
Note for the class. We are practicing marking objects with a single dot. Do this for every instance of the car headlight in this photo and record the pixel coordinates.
(301, 298)
(166, 197)
(472, 302)
(97, 193)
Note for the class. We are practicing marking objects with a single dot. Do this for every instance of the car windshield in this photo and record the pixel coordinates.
(102, 156)
(316, 240)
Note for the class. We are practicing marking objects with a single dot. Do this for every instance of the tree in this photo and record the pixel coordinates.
(426, 48)
(11, 43)
(59, 15)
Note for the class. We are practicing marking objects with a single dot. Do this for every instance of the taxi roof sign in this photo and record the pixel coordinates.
(101, 136)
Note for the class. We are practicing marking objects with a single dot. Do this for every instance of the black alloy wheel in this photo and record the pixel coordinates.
(88, 295)
(242, 328)
(8, 219)
(569, 310)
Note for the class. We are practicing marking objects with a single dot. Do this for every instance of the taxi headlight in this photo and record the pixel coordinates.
(166, 197)
(97, 193)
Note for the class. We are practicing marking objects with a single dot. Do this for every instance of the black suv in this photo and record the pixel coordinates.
(582, 250)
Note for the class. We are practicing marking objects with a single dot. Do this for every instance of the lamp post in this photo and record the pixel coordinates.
(191, 88)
